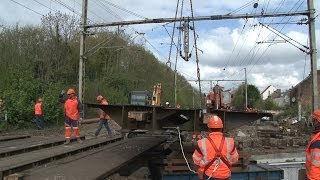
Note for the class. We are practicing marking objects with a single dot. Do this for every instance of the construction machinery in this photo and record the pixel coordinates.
(156, 96)
(219, 98)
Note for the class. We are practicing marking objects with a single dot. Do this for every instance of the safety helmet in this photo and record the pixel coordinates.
(71, 91)
(40, 100)
(215, 122)
(99, 98)
(316, 115)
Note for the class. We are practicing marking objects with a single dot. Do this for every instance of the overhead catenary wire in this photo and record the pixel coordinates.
(270, 32)
(245, 39)
(45, 6)
(68, 7)
(27, 7)
(173, 30)
(288, 38)
(91, 11)
(256, 48)
(106, 8)
(242, 7)
(240, 50)
(125, 10)
(259, 47)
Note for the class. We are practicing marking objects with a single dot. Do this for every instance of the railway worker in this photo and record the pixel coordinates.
(104, 117)
(73, 111)
(215, 154)
(38, 113)
(313, 150)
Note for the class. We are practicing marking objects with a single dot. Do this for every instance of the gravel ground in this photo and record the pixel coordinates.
(85, 129)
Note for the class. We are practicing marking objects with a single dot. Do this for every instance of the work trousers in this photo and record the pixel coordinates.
(39, 121)
(105, 123)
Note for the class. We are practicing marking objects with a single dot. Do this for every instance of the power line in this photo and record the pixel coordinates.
(251, 60)
(106, 8)
(242, 7)
(27, 7)
(68, 7)
(90, 11)
(125, 10)
(45, 5)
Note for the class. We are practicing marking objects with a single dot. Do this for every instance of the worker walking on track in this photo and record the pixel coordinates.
(104, 118)
(72, 110)
(38, 113)
(313, 150)
(215, 154)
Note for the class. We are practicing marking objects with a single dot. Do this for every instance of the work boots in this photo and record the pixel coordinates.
(67, 142)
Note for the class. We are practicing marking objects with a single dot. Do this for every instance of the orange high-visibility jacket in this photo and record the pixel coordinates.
(38, 108)
(313, 158)
(71, 108)
(102, 114)
(205, 152)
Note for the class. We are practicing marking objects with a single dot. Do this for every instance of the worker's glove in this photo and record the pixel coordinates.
(62, 91)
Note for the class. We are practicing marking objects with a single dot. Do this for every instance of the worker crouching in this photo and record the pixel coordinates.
(313, 150)
(215, 154)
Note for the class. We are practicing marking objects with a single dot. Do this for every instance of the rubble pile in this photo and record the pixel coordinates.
(265, 136)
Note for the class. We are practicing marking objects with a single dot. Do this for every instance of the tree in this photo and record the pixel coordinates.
(270, 105)
(253, 97)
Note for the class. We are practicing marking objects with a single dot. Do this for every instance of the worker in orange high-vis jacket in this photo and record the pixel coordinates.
(104, 118)
(313, 150)
(73, 112)
(215, 154)
(38, 113)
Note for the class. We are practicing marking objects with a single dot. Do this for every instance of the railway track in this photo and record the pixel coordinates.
(47, 158)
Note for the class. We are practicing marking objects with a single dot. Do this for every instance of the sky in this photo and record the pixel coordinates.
(226, 48)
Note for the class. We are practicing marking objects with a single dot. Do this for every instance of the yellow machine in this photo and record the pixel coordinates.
(156, 95)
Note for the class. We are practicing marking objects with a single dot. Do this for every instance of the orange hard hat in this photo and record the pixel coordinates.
(215, 122)
(71, 91)
(316, 115)
(99, 98)
(40, 100)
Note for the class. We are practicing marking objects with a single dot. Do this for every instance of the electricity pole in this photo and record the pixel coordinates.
(246, 87)
(310, 13)
(82, 48)
(313, 55)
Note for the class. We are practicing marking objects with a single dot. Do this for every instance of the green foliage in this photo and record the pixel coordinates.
(253, 96)
(290, 111)
(52, 109)
(270, 105)
(19, 97)
(40, 61)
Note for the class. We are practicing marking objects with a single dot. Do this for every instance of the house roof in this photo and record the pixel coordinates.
(265, 89)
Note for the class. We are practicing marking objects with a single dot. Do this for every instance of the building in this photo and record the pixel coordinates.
(302, 92)
(268, 92)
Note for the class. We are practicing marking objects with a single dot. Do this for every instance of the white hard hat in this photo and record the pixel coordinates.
(167, 102)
